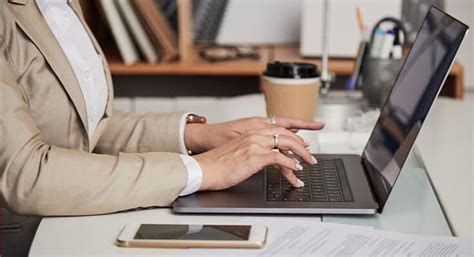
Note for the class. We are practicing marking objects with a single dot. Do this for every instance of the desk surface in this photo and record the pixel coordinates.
(451, 127)
(413, 207)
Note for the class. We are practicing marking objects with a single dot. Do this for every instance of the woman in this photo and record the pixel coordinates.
(64, 151)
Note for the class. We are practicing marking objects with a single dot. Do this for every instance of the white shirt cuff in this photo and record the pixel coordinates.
(194, 175)
(182, 126)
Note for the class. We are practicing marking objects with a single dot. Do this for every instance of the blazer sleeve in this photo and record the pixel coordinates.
(41, 179)
(134, 133)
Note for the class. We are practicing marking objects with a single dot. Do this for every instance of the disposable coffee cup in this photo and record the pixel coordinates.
(291, 89)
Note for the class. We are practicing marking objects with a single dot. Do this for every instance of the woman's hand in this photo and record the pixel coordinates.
(243, 156)
(203, 137)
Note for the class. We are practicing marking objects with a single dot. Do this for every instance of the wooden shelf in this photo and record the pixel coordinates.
(194, 66)
(197, 66)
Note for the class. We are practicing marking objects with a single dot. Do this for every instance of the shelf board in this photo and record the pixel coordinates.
(195, 66)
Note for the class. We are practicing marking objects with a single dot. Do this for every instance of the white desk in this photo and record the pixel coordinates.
(412, 207)
(446, 147)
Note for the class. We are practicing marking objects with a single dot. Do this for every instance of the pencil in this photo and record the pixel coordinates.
(360, 19)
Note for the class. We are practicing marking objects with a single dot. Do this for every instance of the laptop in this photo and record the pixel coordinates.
(352, 184)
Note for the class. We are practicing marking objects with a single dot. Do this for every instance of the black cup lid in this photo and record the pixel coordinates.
(292, 70)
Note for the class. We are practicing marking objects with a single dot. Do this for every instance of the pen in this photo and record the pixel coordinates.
(387, 44)
(377, 43)
(362, 27)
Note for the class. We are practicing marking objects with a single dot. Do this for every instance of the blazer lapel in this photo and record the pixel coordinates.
(30, 20)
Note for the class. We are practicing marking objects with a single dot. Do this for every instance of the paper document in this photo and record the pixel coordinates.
(326, 239)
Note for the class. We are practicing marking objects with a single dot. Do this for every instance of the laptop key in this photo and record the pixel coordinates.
(320, 199)
(319, 190)
(302, 189)
(304, 195)
(316, 194)
(289, 199)
(274, 199)
(336, 199)
(304, 199)
(273, 186)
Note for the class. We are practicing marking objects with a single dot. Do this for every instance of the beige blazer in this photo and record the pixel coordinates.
(48, 166)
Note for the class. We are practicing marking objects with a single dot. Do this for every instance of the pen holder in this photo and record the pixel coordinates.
(378, 77)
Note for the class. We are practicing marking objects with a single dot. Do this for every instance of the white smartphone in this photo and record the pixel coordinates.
(192, 236)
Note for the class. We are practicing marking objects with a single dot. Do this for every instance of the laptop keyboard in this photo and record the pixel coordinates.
(324, 182)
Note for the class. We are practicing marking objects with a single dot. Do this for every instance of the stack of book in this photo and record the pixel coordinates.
(141, 28)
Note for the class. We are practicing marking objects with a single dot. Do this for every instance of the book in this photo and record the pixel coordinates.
(158, 27)
(146, 47)
(121, 36)
(170, 10)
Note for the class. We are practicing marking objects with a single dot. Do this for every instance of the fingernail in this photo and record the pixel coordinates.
(306, 142)
(299, 167)
(296, 160)
(300, 183)
(314, 160)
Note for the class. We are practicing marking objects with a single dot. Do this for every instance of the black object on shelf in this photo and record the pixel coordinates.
(378, 75)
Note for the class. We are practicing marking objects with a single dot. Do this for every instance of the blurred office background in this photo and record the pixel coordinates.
(262, 23)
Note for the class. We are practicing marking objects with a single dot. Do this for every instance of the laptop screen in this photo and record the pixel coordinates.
(417, 86)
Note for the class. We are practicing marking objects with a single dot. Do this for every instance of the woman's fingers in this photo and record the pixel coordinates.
(282, 131)
(291, 177)
(288, 174)
(275, 157)
(291, 123)
(288, 143)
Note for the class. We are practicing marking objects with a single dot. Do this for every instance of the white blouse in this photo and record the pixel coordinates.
(81, 54)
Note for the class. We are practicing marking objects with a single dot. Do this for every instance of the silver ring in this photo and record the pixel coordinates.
(273, 119)
(276, 138)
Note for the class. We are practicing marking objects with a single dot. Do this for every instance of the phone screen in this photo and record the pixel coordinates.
(192, 232)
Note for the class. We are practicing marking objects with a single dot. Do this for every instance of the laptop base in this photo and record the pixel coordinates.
(250, 196)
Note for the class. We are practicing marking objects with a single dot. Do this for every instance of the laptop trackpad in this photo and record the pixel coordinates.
(252, 184)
